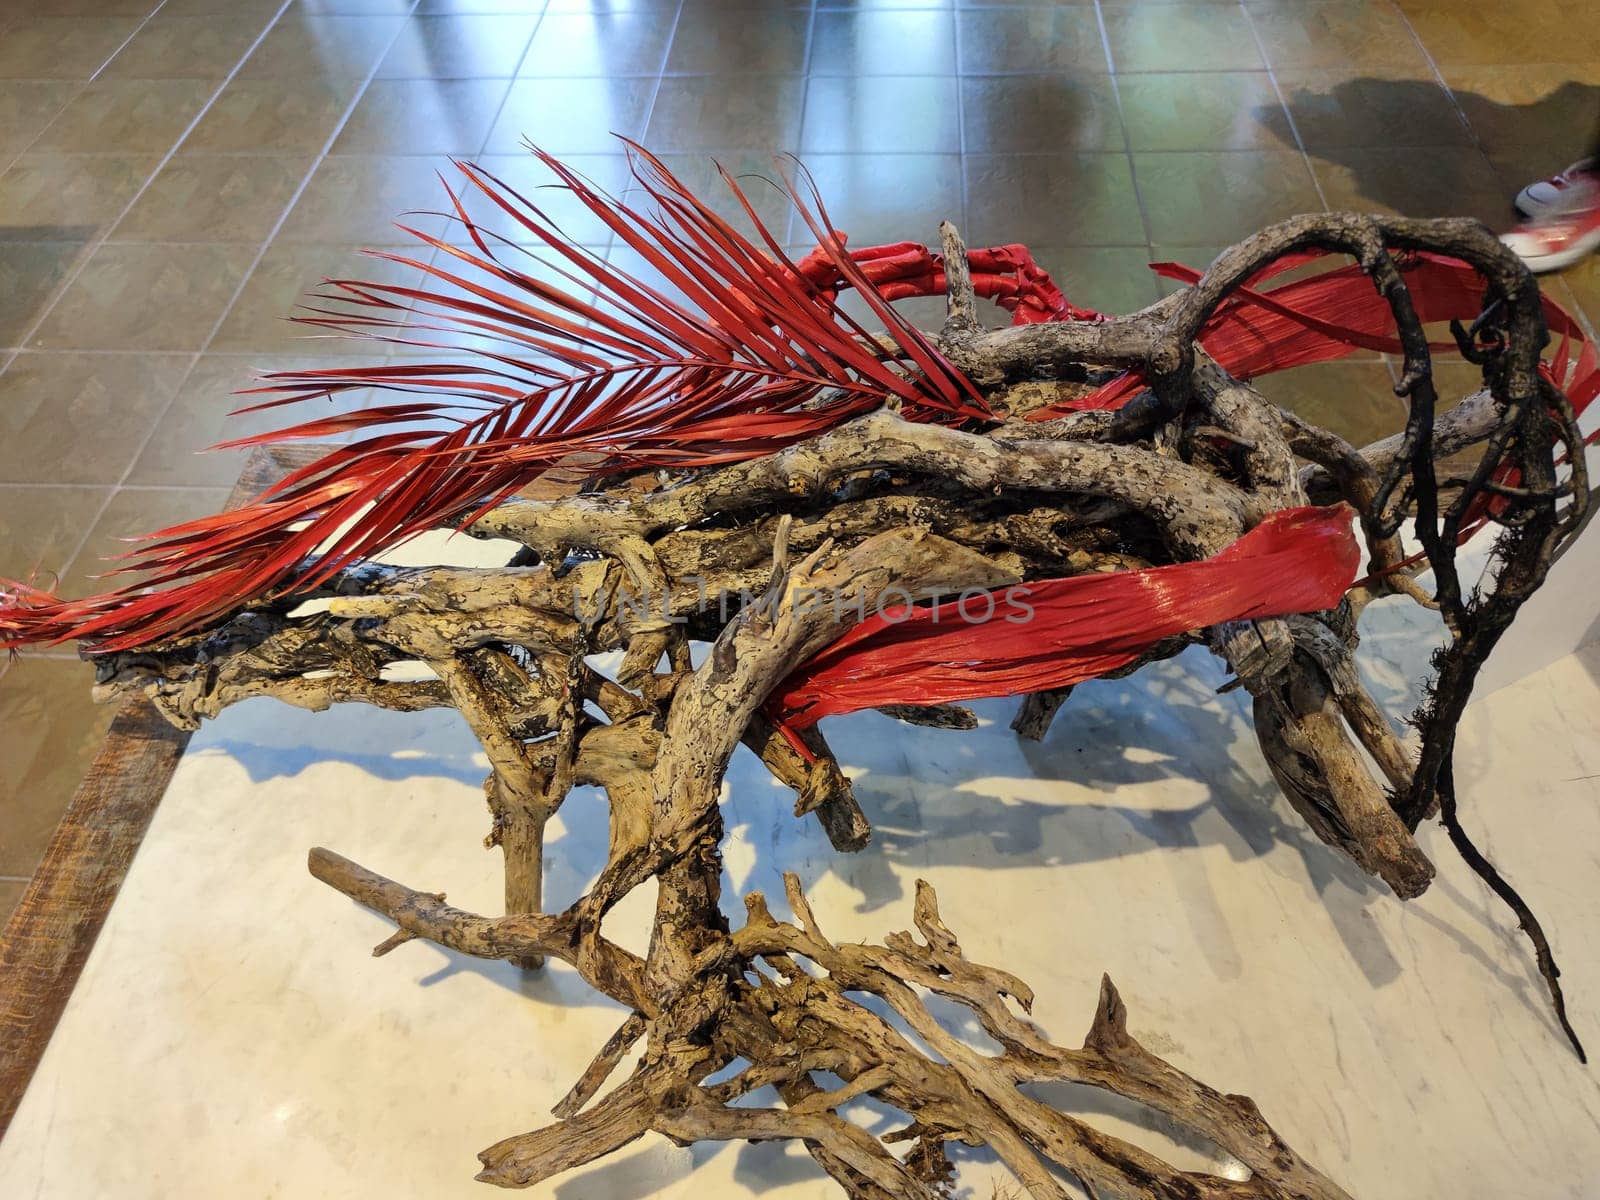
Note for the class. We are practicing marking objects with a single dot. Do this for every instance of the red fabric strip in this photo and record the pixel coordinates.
(1063, 631)
(1326, 317)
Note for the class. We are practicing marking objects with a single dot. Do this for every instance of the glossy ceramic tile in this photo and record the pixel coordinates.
(759, 175)
(1301, 34)
(599, 43)
(303, 45)
(169, 47)
(572, 116)
(32, 272)
(1344, 108)
(477, 46)
(1583, 281)
(1513, 108)
(217, 8)
(874, 41)
(86, 8)
(882, 115)
(203, 414)
(999, 41)
(144, 297)
(49, 729)
(716, 40)
(1354, 399)
(80, 192)
(1015, 197)
(1222, 195)
(27, 106)
(360, 198)
(127, 116)
(51, 47)
(214, 198)
(273, 116)
(1413, 181)
(707, 114)
(1108, 279)
(880, 198)
(43, 525)
(67, 417)
(608, 172)
(1519, 31)
(438, 117)
(131, 513)
(284, 279)
(1180, 37)
(1040, 114)
(1193, 110)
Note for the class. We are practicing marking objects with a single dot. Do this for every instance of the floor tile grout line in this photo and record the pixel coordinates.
(96, 75)
(7, 357)
(661, 71)
(516, 75)
(1450, 95)
(95, 243)
(482, 150)
(792, 215)
(649, 106)
(644, 120)
(71, 559)
(961, 120)
(123, 45)
(1283, 103)
(395, 354)
(244, 278)
(27, 147)
(735, 148)
(225, 309)
(1127, 140)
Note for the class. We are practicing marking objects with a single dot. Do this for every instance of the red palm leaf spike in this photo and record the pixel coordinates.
(772, 285)
(732, 371)
(964, 397)
(776, 276)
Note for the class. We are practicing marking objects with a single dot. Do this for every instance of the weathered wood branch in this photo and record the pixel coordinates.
(791, 1022)
(726, 557)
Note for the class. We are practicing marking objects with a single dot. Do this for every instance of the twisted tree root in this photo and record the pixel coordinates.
(788, 1023)
(646, 566)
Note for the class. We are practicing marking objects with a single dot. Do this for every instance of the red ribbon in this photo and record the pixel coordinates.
(1063, 631)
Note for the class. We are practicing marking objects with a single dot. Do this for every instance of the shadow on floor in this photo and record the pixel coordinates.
(1398, 145)
(34, 261)
(1155, 765)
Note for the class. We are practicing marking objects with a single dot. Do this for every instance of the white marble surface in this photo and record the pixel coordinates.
(232, 1037)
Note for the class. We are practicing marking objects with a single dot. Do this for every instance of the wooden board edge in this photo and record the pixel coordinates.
(54, 926)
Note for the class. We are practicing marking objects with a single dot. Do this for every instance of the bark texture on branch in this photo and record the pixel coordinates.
(722, 556)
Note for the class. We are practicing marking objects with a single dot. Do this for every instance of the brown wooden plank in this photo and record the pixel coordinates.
(54, 926)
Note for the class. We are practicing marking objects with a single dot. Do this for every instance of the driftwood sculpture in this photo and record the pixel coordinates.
(721, 456)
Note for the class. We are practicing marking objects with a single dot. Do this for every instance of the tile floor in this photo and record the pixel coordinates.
(173, 175)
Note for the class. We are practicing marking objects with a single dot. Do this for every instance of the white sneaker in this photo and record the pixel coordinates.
(1537, 198)
(1563, 233)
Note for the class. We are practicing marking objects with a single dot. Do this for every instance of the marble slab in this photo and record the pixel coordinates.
(232, 1036)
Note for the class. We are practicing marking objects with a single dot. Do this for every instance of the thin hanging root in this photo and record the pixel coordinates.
(1486, 871)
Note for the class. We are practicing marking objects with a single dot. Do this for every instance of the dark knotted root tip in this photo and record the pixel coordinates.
(1486, 871)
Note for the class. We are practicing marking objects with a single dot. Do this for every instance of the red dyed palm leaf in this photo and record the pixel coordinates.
(732, 355)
